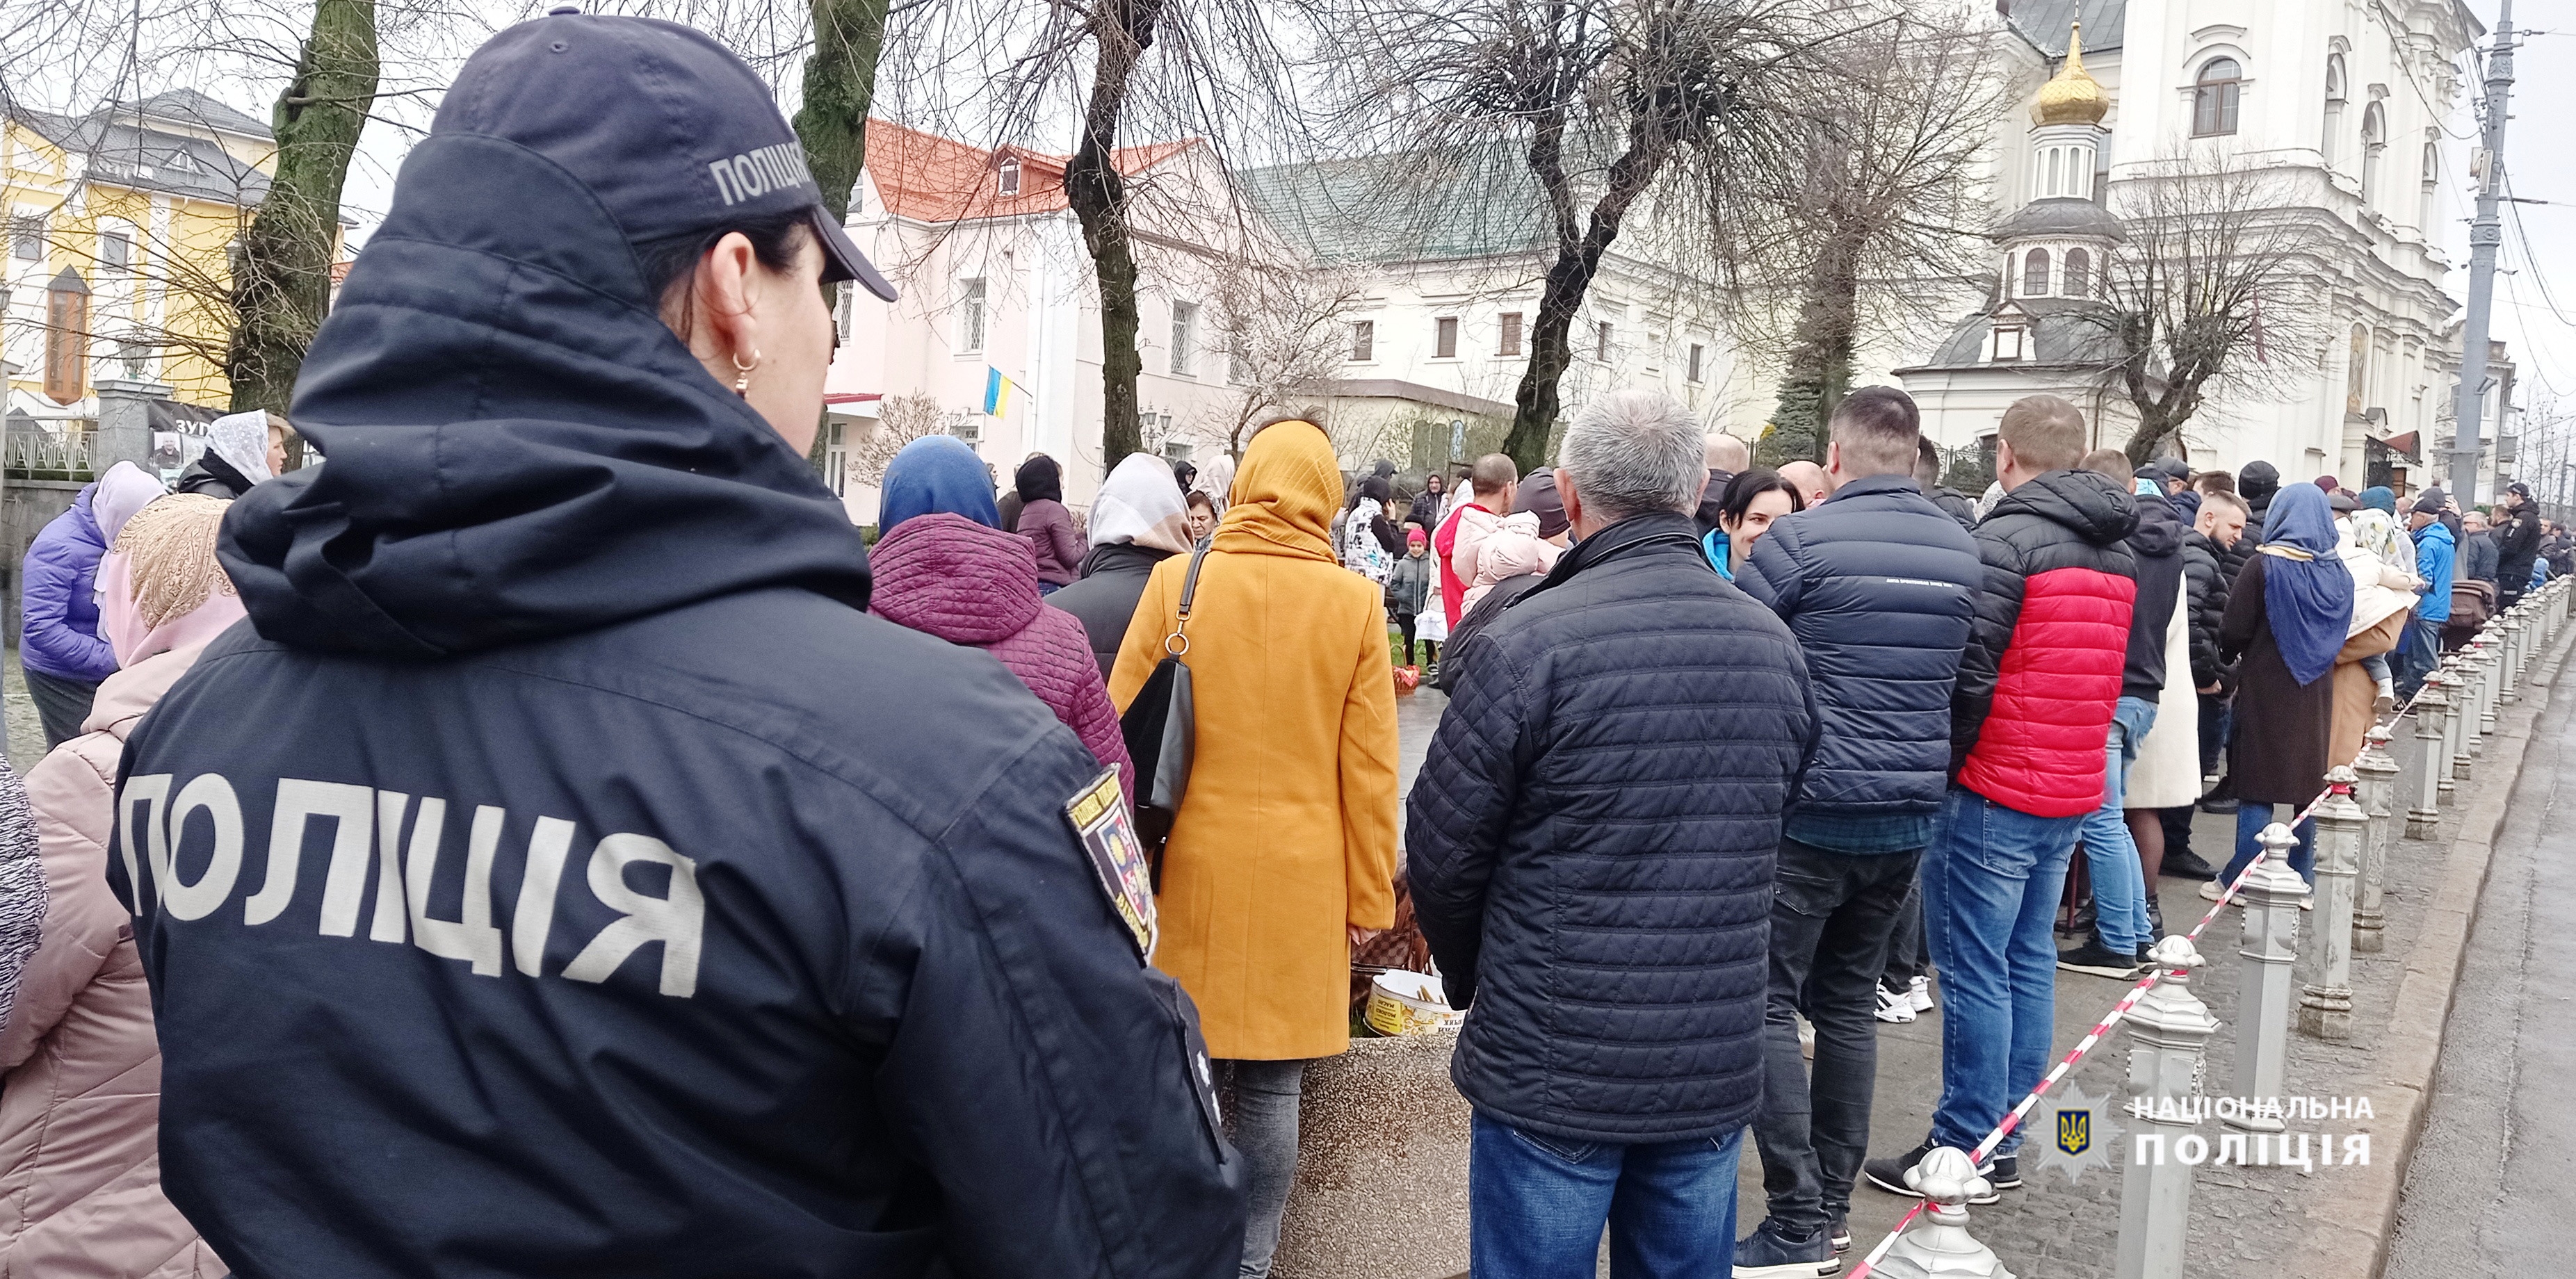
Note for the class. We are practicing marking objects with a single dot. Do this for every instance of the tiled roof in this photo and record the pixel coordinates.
(933, 179)
(187, 106)
(147, 159)
(1407, 206)
(2044, 23)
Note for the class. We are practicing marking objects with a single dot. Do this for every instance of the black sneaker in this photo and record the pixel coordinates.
(2218, 804)
(1768, 1254)
(2092, 957)
(2187, 864)
(1896, 1176)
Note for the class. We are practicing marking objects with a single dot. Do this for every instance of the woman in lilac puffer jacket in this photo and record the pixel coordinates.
(944, 567)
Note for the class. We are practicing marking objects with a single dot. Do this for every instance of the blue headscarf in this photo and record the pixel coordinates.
(2307, 602)
(933, 474)
(2380, 497)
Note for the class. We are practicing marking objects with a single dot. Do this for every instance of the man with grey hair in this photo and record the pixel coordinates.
(1590, 844)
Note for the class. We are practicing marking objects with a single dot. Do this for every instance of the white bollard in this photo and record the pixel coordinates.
(2489, 688)
(2270, 921)
(2454, 699)
(2378, 796)
(2168, 1034)
(2514, 636)
(1939, 1245)
(2462, 723)
(2325, 948)
(2424, 810)
(2481, 666)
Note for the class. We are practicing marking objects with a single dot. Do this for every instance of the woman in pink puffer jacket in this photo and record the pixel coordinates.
(944, 567)
(80, 1167)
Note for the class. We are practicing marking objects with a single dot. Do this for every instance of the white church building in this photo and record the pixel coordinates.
(2342, 105)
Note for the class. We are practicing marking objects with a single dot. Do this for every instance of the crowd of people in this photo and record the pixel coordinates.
(785, 932)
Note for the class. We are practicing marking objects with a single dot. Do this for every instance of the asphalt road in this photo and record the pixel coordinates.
(2492, 1189)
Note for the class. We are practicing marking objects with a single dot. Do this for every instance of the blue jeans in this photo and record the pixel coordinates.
(1536, 1205)
(2417, 654)
(2119, 879)
(1990, 885)
(2251, 818)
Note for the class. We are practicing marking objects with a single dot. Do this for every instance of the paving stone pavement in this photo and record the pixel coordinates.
(26, 732)
(2068, 1230)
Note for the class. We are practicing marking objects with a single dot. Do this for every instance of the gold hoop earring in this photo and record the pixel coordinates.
(742, 372)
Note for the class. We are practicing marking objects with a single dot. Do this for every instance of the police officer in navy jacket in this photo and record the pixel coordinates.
(567, 876)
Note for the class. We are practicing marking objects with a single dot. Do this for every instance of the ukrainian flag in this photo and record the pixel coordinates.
(997, 392)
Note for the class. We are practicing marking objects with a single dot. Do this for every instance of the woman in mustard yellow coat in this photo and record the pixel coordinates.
(1284, 847)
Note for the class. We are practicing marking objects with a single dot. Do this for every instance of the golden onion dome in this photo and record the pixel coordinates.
(2072, 96)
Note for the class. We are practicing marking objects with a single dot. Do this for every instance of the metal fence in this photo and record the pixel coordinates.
(38, 454)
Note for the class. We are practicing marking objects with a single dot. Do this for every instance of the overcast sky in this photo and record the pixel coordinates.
(2540, 165)
(2539, 258)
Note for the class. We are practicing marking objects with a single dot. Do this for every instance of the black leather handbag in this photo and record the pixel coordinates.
(1161, 728)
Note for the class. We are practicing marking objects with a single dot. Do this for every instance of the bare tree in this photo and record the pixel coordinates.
(901, 419)
(281, 277)
(1286, 337)
(1666, 109)
(1884, 202)
(2217, 292)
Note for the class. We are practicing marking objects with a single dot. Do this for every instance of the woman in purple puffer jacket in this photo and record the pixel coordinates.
(59, 645)
(943, 566)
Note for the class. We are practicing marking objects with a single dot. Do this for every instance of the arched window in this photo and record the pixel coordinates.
(2330, 143)
(2374, 141)
(2432, 177)
(2214, 96)
(2034, 274)
(2079, 273)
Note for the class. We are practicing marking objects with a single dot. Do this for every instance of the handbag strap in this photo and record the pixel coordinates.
(1189, 592)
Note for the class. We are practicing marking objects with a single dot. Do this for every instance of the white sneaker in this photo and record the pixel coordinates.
(1806, 1038)
(2387, 700)
(1894, 1006)
(1919, 993)
(2209, 890)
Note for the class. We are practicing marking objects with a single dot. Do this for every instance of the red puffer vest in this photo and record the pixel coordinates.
(2042, 675)
(949, 576)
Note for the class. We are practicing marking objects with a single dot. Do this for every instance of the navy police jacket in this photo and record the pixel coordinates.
(567, 876)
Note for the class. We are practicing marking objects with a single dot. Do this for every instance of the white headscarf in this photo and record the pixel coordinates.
(1141, 503)
(242, 439)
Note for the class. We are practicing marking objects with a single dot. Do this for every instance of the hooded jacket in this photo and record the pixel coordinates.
(2436, 559)
(58, 631)
(2157, 548)
(80, 1172)
(2045, 662)
(1880, 587)
(1591, 840)
(595, 887)
(946, 575)
(1286, 837)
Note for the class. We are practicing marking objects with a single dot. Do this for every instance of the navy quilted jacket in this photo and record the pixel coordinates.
(1880, 587)
(1590, 841)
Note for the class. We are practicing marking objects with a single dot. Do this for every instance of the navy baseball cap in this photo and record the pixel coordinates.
(672, 132)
